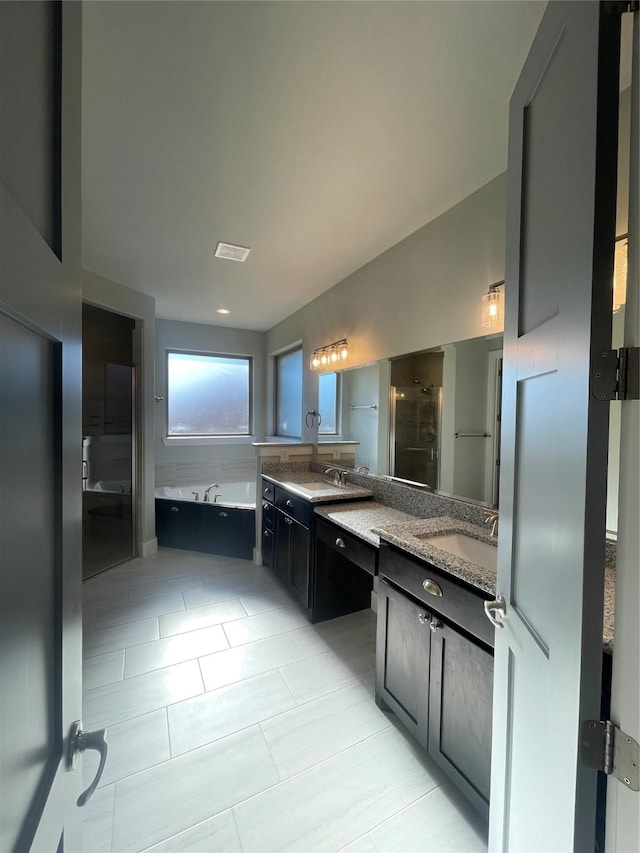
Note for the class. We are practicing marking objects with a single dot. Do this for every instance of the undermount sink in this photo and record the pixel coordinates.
(315, 486)
(481, 553)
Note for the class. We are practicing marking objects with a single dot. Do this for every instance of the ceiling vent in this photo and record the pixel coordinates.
(232, 253)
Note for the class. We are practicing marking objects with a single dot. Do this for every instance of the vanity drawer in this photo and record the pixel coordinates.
(268, 491)
(457, 602)
(347, 545)
(297, 508)
(267, 514)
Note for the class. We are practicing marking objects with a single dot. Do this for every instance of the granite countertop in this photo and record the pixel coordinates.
(371, 521)
(362, 517)
(323, 488)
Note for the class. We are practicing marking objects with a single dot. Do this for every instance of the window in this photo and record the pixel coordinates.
(208, 394)
(289, 394)
(328, 402)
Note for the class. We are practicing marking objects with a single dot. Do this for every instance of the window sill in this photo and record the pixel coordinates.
(204, 440)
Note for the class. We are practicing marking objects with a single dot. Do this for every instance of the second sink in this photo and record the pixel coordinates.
(481, 553)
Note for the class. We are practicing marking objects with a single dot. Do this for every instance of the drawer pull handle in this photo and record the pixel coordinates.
(340, 543)
(222, 514)
(422, 618)
(435, 625)
(265, 505)
(288, 503)
(432, 587)
(174, 509)
(267, 492)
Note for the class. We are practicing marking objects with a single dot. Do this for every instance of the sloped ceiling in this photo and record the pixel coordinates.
(319, 134)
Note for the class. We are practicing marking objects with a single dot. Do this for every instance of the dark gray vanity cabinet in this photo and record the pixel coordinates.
(286, 539)
(434, 667)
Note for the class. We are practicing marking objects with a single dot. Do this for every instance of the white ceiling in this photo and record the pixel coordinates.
(317, 133)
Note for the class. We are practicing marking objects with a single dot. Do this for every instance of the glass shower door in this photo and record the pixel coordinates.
(415, 424)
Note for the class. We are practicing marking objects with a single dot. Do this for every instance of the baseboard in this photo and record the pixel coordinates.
(150, 547)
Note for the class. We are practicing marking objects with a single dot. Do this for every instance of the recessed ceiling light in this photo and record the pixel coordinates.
(222, 311)
(232, 253)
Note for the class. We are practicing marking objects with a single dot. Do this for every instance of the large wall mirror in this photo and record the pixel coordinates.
(431, 418)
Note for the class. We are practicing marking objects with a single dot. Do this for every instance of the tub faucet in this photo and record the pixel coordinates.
(339, 477)
(493, 519)
(206, 498)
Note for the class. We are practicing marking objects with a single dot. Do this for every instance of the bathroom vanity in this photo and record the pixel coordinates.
(288, 542)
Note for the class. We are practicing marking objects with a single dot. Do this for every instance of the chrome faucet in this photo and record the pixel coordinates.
(206, 498)
(493, 519)
(339, 477)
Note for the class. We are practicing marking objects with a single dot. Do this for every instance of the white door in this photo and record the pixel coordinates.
(560, 238)
(40, 408)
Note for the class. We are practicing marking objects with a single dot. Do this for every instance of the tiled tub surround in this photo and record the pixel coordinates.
(234, 725)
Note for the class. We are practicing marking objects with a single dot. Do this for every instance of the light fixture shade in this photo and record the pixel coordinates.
(330, 356)
(620, 274)
(493, 307)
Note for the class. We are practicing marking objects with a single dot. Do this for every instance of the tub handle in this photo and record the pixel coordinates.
(174, 509)
(222, 514)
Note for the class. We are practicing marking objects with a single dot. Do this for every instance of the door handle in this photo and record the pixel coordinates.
(79, 741)
(495, 611)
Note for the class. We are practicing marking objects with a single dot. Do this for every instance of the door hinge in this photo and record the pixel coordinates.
(603, 746)
(615, 374)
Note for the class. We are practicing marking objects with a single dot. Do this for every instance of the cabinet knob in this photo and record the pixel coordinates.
(432, 587)
(222, 514)
(288, 503)
(422, 618)
(435, 625)
(266, 533)
(340, 543)
(174, 509)
(265, 505)
(267, 492)
(288, 521)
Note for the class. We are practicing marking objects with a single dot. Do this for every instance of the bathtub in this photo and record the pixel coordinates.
(224, 526)
(241, 494)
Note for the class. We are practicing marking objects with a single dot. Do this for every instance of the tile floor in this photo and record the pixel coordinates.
(234, 725)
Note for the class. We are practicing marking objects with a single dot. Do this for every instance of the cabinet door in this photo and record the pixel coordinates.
(281, 547)
(267, 547)
(460, 705)
(402, 659)
(169, 524)
(299, 561)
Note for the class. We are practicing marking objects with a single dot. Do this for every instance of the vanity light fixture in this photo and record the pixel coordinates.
(493, 306)
(620, 273)
(331, 355)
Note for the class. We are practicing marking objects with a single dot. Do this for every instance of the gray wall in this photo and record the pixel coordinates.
(179, 460)
(423, 292)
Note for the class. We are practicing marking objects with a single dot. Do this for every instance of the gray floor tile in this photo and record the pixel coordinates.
(233, 665)
(97, 821)
(248, 580)
(138, 610)
(115, 703)
(310, 733)
(264, 625)
(120, 637)
(102, 669)
(165, 800)
(269, 599)
(316, 676)
(364, 844)
(170, 650)
(336, 633)
(200, 617)
(433, 824)
(214, 715)
(134, 745)
(328, 806)
(153, 588)
(219, 833)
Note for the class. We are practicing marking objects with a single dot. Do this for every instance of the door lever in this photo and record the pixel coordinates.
(496, 611)
(79, 741)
